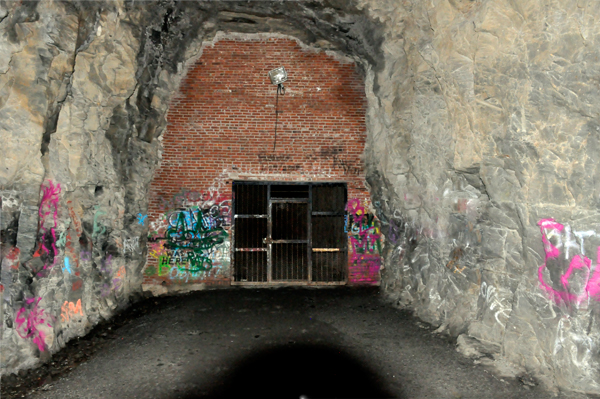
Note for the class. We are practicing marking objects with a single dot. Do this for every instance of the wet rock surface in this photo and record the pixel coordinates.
(271, 343)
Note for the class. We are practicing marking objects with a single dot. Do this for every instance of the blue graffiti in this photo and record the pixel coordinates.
(67, 266)
(141, 218)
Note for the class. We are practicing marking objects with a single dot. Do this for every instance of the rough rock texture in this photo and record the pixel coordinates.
(483, 127)
(483, 132)
(85, 89)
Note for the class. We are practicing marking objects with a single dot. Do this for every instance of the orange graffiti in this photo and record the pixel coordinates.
(69, 309)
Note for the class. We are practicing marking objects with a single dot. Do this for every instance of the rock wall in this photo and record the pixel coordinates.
(481, 157)
(85, 87)
(483, 163)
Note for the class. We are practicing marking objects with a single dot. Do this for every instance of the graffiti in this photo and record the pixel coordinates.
(74, 218)
(29, 323)
(395, 231)
(131, 245)
(111, 282)
(157, 249)
(141, 218)
(117, 281)
(69, 309)
(365, 240)
(67, 266)
(366, 234)
(348, 166)
(62, 241)
(49, 206)
(184, 197)
(85, 256)
(488, 293)
(580, 265)
(191, 237)
(98, 228)
(9, 264)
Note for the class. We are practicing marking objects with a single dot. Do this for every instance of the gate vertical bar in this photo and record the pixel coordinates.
(309, 232)
(232, 214)
(269, 235)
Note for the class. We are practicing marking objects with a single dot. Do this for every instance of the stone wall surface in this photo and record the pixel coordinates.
(485, 115)
(482, 142)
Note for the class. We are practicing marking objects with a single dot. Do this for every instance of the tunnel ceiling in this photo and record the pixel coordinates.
(172, 27)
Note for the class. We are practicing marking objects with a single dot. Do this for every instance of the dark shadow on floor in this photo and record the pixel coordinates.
(297, 370)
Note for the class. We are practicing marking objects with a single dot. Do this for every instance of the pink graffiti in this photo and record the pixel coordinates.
(365, 237)
(49, 205)
(356, 210)
(34, 319)
(157, 249)
(592, 287)
(366, 268)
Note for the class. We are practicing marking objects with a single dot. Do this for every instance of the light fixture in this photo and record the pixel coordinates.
(277, 76)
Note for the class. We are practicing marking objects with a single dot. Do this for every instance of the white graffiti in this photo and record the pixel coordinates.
(131, 245)
(566, 241)
(488, 292)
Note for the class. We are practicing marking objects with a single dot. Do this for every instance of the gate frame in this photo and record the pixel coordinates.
(280, 283)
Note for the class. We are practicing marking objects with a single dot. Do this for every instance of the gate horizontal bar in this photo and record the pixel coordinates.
(328, 214)
(289, 241)
(249, 216)
(290, 201)
(250, 249)
(284, 283)
(326, 250)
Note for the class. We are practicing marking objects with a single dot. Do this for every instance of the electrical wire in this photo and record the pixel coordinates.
(280, 90)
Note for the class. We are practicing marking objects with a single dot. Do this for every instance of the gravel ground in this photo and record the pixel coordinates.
(287, 342)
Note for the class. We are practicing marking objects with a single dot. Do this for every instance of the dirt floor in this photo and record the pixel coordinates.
(287, 342)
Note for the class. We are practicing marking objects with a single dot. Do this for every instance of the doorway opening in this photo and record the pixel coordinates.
(289, 233)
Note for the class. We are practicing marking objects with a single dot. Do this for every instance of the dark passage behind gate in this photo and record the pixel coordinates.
(289, 233)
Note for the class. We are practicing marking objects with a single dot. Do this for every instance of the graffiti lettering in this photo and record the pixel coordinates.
(488, 292)
(157, 249)
(365, 241)
(591, 280)
(194, 232)
(131, 245)
(69, 309)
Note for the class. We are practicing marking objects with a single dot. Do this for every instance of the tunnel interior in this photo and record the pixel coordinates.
(464, 135)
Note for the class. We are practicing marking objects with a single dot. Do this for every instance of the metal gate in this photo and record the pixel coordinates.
(289, 233)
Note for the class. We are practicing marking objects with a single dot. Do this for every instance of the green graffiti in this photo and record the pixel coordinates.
(164, 262)
(196, 236)
(98, 229)
(62, 241)
(150, 271)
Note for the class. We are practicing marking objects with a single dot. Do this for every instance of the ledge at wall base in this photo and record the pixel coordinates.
(158, 290)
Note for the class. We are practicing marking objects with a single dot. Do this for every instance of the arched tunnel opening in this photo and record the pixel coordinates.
(440, 153)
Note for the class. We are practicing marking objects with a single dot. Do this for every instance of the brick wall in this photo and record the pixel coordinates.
(221, 127)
